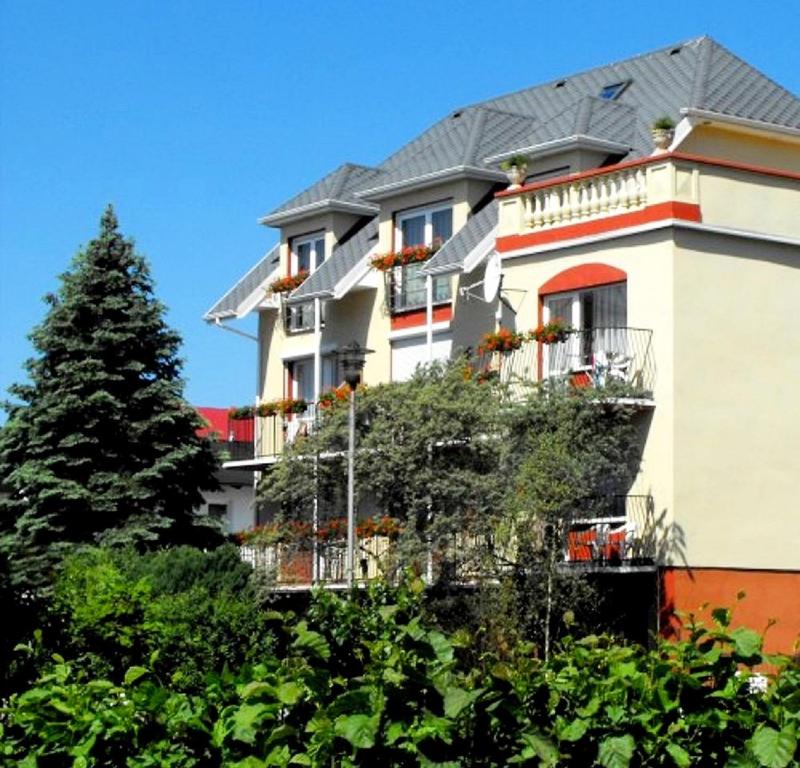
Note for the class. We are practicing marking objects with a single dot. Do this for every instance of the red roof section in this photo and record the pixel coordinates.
(221, 428)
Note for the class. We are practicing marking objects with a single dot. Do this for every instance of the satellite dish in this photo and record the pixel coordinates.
(492, 277)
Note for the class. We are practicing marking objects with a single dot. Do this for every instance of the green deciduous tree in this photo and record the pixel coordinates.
(101, 444)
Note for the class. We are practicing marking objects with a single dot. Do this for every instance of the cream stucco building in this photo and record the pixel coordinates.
(678, 267)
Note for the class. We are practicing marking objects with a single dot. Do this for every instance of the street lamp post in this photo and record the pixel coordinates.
(351, 360)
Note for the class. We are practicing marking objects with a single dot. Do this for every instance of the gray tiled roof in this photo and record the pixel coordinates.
(343, 259)
(252, 281)
(450, 257)
(336, 187)
(697, 74)
(459, 142)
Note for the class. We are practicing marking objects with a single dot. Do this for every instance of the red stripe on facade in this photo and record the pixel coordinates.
(417, 317)
(583, 276)
(769, 595)
(658, 212)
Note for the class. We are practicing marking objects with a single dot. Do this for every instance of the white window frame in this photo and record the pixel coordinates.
(312, 240)
(397, 273)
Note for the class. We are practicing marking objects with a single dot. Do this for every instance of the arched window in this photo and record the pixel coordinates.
(593, 299)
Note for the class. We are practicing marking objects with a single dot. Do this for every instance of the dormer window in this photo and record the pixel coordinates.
(614, 90)
(429, 226)
(308, 253)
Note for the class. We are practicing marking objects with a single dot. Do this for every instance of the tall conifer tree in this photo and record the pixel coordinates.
(102, 446)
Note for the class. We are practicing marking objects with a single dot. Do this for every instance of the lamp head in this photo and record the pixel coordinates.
(351, 359)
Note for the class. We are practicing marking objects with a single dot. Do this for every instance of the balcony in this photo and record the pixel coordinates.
(274, 433)
(626, 194)
(618, 362)
(613, 531)
(606, 532)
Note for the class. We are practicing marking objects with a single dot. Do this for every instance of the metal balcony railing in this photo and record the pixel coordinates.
(615, 530)
(604, 531)
(616, 360)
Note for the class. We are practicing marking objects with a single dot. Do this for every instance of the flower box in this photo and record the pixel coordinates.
(412, 254)
(288, 283)
(504, 340)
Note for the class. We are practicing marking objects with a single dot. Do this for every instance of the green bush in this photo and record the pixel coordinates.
(193, 612)
(369, 680)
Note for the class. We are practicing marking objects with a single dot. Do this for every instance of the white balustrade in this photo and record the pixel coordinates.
(588, 198)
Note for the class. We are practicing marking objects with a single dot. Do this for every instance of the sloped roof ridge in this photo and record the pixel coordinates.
(711, 44)
(573, 75)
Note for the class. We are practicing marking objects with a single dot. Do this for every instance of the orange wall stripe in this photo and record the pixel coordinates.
(583, 276)
(659, 212)
(418, 317)
(769, 595)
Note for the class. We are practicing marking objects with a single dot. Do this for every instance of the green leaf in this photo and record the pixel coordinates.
(395, 731)
(679, 755)
(722, 616)
(458, 699)
(133, 674)
(359, 730)
(313, 642)
(575, 731)
(537, 745)
(289, 692)
(774, 749)
(616, 751)
(247, 719)
(442, 647)
(747, 642)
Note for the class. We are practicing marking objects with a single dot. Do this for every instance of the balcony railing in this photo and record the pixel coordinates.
(617, 530)
(603, 532)
(274, 433)
(597, 194)
(617, 361)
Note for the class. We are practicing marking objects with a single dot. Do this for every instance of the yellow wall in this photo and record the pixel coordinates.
(737, 411)
(754, 202)
(738, 146)
(647, 259)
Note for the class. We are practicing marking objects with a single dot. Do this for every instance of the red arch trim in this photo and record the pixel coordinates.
(583, 276)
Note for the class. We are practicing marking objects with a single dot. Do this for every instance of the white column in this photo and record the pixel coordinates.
(429, 314)
(317, 352)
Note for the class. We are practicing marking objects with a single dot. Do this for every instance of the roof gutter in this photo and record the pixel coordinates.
(431, 179)
(545, 148)
(219, 324)
(312, 209)
(741, 122)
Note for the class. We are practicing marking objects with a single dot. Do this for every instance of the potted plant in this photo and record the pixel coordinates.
(663, 131)
(503, 340)
(552, 332)
(515, 168)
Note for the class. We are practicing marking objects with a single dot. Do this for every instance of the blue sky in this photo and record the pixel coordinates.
(195, 118)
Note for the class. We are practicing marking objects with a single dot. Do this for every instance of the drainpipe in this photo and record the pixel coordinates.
(317, 393)
(429, 314)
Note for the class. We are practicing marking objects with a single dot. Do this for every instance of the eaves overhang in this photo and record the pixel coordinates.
(431, 179)
(743, 123)
(545, 148)
(315, 209)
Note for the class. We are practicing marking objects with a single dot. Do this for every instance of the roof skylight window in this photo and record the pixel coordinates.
(613, 91)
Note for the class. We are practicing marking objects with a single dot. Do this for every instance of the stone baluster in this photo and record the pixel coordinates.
(583, 190)
(603, 192)
(641, 185)
(594, 197)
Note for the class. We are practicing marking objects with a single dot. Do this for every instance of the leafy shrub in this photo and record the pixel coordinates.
(196, 610)
(367, 680)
